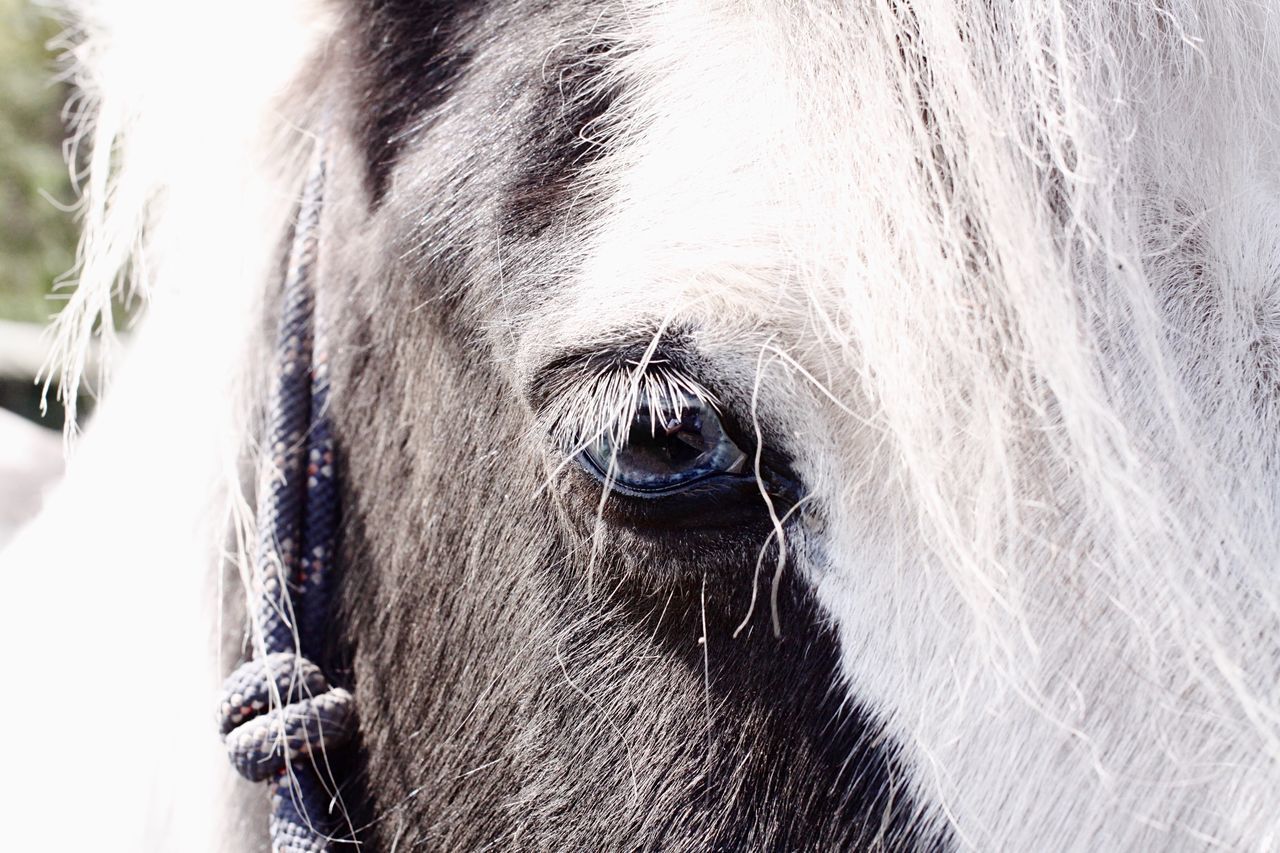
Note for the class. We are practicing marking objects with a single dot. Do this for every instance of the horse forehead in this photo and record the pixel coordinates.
(733, 161)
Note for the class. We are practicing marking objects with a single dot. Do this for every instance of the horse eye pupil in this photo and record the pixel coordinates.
(678, 444)
(666, 454)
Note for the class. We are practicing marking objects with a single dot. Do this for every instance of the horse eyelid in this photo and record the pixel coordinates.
(566, 372)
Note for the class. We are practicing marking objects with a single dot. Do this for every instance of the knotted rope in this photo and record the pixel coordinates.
(280, 717)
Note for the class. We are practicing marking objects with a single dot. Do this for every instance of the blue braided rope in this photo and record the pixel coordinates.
(280, 717)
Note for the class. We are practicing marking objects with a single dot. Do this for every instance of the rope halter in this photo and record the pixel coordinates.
(280, 718)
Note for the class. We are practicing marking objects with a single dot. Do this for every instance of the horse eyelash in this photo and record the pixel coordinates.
(610, 399)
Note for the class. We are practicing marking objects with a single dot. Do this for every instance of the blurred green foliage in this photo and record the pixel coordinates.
(37, 239)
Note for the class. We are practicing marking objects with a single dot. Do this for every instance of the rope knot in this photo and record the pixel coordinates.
(277, 709)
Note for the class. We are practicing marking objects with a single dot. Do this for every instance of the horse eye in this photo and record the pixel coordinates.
(663, 453)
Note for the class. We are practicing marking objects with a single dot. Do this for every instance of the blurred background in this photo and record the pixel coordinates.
(37, 252)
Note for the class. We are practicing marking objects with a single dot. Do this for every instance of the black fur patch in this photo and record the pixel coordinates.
(567, 132)
(409, 56)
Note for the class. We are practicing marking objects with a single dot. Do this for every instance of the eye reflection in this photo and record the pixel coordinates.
(664, 452)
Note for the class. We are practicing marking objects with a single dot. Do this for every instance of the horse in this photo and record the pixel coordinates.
(797, 425)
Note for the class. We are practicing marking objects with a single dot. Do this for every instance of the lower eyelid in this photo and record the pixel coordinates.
(706, 485)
